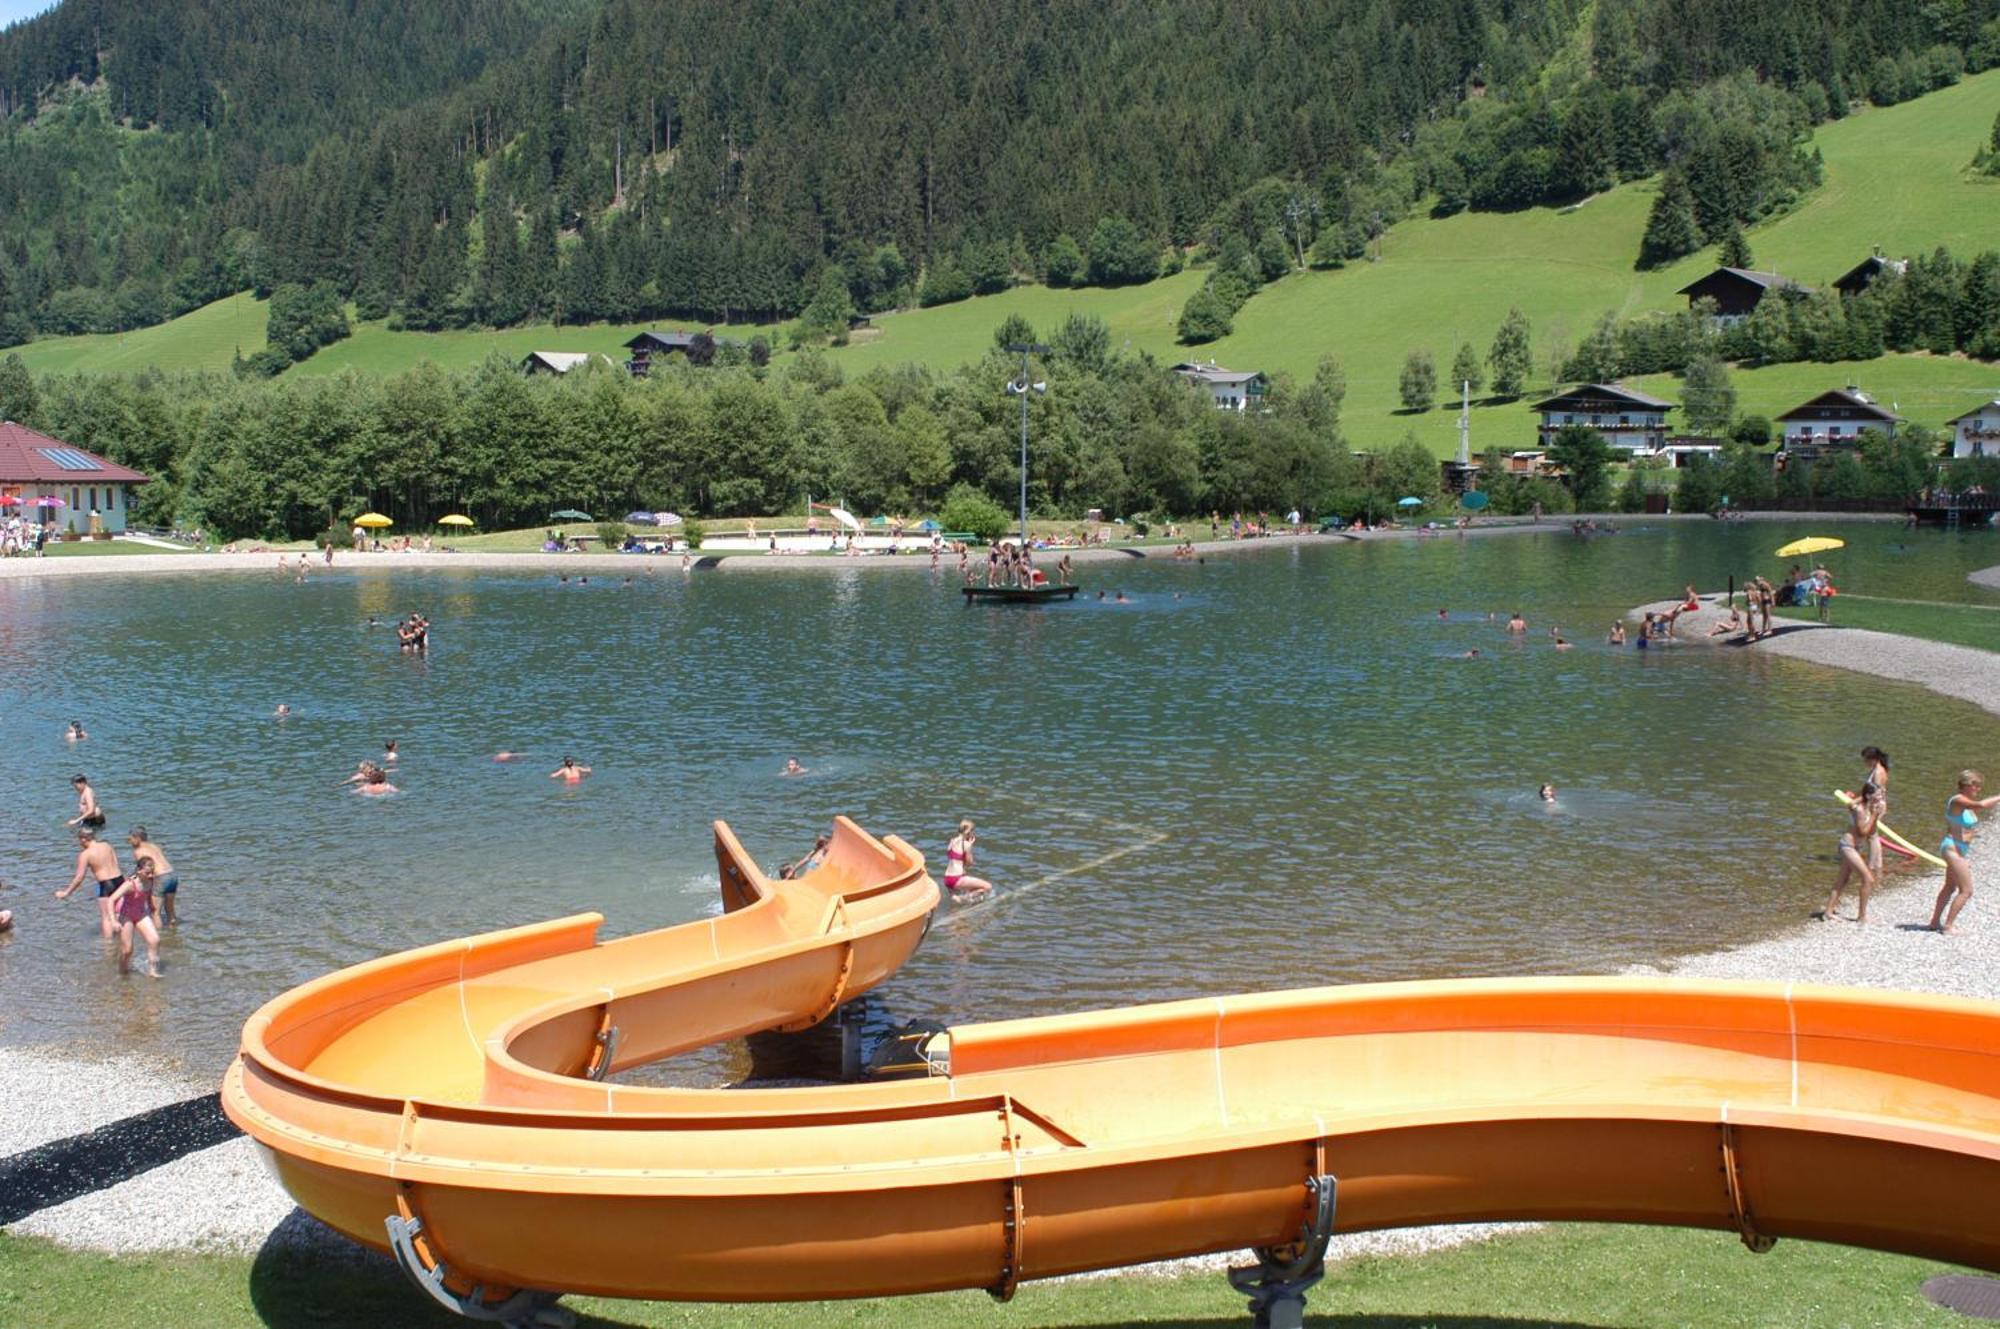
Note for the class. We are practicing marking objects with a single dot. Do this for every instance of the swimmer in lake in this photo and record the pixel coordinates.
(389, 752)
(1562, 643)
(75, 732)
(1472, 654)
(166, 892)
(506, 756)
(958, 881)
(1121, 599)
(6, 920)
(283, 712)
(1517, 624)
(370, 779)
(88, 813)
(792, 767)
(569, 772)
(1442, 615)
(1617, 637)
(1547, 793)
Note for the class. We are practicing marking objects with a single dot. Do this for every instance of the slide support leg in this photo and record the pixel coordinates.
(523, 1308)
(1278, 1282)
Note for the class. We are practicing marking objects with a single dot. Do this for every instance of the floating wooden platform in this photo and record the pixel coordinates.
(1022, 595)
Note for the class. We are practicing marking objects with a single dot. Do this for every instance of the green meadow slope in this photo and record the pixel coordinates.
(1895, 177)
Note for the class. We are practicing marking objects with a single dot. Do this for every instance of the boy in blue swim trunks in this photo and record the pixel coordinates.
(166, 882)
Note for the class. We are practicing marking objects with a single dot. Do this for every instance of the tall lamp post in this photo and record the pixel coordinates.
(1021, 387)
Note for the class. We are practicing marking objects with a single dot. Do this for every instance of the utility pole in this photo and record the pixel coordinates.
(1465, 422)
(1021, 387)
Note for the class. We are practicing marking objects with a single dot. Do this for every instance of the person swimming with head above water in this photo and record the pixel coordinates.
(792, 767)
(75, 732)
(569, 772)
(1547, 793)
(370, 779)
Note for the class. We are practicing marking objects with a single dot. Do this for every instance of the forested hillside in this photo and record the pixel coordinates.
(620, 159)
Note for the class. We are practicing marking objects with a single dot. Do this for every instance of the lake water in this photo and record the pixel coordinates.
(1269, 770)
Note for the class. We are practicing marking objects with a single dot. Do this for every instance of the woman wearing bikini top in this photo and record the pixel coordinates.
(963, 887)
(1961, 814)
(1856, 844)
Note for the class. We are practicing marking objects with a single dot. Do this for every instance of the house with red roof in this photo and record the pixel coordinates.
(47, 478)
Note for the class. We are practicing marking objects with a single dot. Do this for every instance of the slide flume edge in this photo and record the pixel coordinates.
(456, 1090)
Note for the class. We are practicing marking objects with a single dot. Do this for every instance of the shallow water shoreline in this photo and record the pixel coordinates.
(655, 565)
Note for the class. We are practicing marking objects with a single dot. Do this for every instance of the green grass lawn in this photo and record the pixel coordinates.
(1963, 625)
(1566, 1277)
(205, 338)
(105, 549)
(1895, 177)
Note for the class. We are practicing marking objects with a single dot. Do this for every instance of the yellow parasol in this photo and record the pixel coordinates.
(1812, 544)
(374, 521)
(455, 519)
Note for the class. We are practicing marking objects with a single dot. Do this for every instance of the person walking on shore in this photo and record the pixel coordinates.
(100, 862)
(1878, 775)
(1961, 814)
(167, 885)
(958, 881)
(132, 907)
(1857, 846)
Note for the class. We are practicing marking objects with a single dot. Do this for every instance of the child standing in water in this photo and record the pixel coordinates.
(132, 906)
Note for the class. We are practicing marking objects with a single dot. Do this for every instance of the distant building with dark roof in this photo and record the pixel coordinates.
(1835, 419)
(1863, 274)
(35, 467)
(1977, 432)
(1737, 292)
(1229, 389)
(1627, 419)
(647, 345)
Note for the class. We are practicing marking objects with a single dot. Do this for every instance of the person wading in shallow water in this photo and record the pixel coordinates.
(87, 812)
(100, 862)
(963, 887)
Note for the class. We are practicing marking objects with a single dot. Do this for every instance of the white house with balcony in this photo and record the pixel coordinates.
(1229, 389)
(1627, 419)
(1836, 419)
(1977, 432)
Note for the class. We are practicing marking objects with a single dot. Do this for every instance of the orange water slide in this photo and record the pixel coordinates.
(451, 1104)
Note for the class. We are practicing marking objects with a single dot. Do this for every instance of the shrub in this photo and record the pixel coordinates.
(611, 534)
(692, 532)
(968, 509)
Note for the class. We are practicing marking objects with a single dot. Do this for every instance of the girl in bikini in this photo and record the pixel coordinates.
(1857, 843)
(1961, 814)
(964, 888)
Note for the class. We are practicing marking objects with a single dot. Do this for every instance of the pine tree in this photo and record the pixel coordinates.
(1735, 250)
(1511, 358)
(1671, 229)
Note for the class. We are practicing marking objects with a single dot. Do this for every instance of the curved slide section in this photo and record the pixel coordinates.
(453, 1091)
